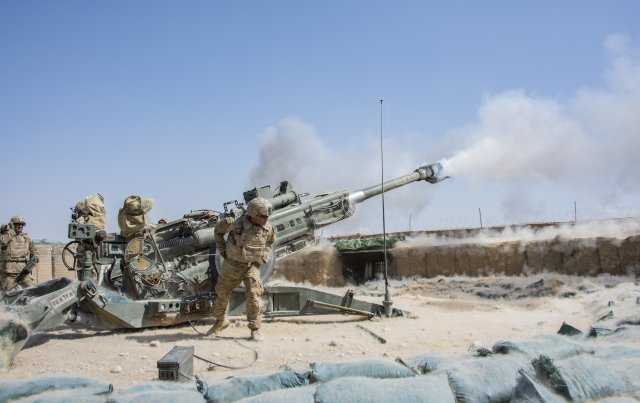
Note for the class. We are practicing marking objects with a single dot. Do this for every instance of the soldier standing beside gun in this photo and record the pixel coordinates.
(247, 247)
(17, 253)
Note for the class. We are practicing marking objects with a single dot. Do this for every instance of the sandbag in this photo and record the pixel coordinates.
(133, 216)
(372, 368)
(420, 389)
(232, 389)
(301, 394)
(553, 345)
(615, 334)
(581, 377)
(486, 379)
(160, 396)
(14, 389)
(611, 352)
(429, 362)
(77, 395)
(92, 210)
(528, 390)
(160, 386)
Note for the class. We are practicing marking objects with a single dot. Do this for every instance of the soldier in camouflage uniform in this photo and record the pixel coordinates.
(247, 247)
(16, 249)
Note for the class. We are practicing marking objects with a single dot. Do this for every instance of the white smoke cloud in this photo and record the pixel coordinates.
(518, 136)
(294, 151)
(589, 142)
(594, 137)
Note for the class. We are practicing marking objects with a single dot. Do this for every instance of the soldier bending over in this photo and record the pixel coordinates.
(247, 247)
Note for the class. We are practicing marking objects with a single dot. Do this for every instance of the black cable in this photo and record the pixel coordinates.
(193, 327)
(255, 352)
(255, 358)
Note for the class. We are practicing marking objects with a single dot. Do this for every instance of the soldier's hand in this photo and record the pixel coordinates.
(36, 259)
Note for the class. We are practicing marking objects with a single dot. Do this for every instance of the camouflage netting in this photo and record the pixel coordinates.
(359, 244)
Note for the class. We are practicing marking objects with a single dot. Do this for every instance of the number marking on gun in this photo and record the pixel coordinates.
(59, 300)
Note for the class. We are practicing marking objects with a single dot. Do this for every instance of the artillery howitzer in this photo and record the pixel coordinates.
(166, 277)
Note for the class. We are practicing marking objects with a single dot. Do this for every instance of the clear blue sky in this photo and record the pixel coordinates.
(193, 102)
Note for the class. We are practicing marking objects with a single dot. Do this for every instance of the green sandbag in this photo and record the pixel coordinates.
(301, 394)
(14, 389)
(419, 389)
(373, 368)
(232, 389)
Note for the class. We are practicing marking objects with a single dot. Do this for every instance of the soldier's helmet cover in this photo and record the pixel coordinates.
(18, 219)
(259, 206)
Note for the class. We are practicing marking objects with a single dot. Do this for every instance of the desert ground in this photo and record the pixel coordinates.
(448, 314)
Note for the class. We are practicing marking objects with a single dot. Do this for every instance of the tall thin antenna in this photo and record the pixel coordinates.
(387, 302)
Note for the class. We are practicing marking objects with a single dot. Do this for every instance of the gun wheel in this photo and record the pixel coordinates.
(71, 256)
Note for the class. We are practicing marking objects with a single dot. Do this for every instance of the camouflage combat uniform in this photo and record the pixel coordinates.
(246, 248)
(15, 251)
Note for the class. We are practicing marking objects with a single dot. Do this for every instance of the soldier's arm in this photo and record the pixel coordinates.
(271, 238)
(222, 228)
(33, 252)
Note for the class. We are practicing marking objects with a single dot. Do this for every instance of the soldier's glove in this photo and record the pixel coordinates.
(36, 259)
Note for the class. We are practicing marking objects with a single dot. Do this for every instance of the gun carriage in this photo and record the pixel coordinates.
(166, 277)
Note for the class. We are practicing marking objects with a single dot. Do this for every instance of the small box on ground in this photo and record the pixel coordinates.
(177, 365)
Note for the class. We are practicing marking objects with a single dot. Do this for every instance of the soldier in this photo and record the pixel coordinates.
(247, 247)
(16, 249)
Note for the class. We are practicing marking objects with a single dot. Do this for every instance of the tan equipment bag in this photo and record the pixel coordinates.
(133, 217)
(91, 210)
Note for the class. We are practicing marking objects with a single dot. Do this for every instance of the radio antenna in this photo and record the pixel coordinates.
(387, 302)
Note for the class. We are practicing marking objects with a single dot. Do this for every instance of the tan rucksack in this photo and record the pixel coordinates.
(91, 210)
(133, 217)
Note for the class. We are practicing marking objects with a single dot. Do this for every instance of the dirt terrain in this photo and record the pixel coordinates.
(449, 315)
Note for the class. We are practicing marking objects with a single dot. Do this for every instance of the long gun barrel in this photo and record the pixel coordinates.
(295, 223)
(431, 173)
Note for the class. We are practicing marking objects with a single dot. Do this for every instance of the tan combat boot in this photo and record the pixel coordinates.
(256, 335)
(218, 327)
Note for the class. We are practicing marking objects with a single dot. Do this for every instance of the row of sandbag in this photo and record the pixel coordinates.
(543, 368)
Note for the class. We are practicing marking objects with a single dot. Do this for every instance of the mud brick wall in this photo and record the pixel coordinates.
(50, 265)
(44, 270)
(583, 257)
(318, 266)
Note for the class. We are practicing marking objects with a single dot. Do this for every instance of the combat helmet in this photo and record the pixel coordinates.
(18, 219)
(259, 207)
